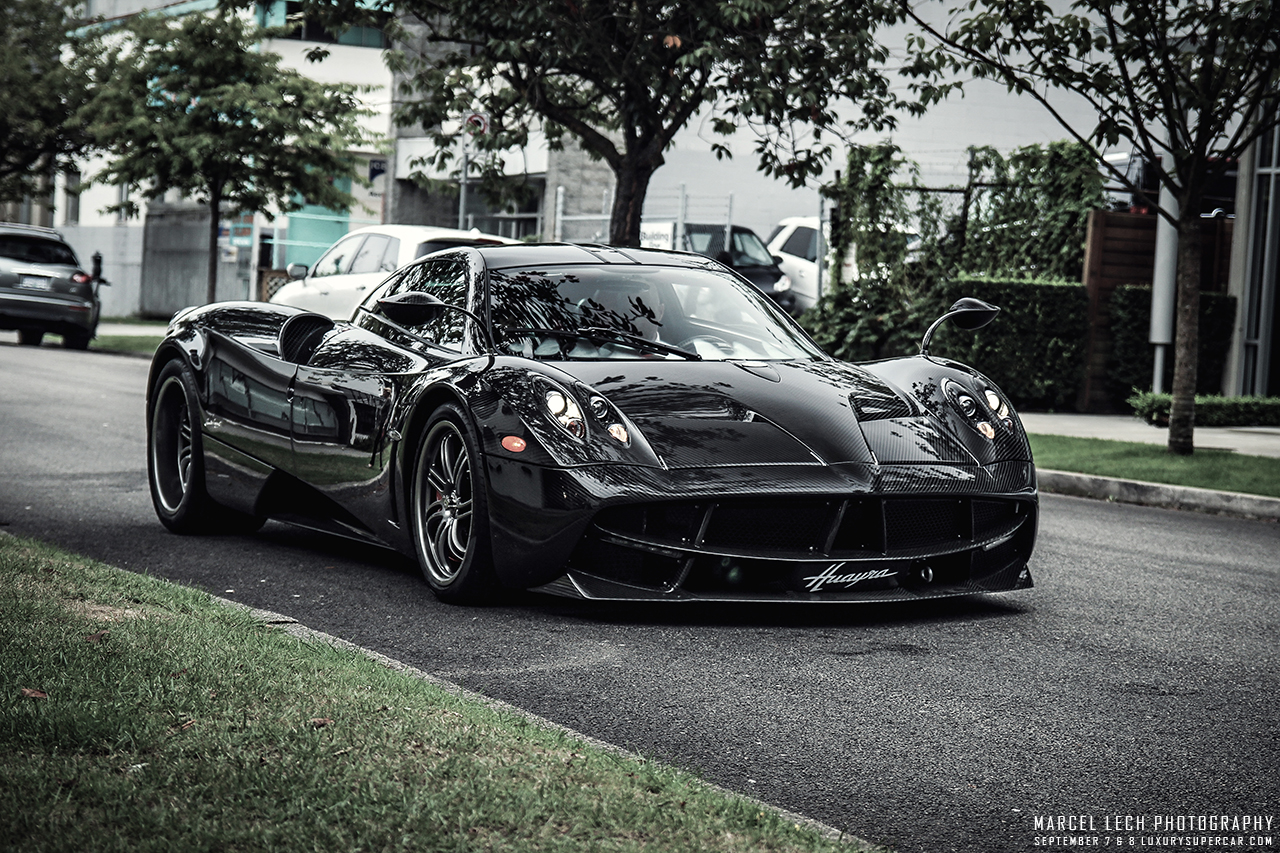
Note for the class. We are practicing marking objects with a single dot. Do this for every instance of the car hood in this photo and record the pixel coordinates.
(707, 414)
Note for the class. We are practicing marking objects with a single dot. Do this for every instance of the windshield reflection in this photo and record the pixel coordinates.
(634, 312)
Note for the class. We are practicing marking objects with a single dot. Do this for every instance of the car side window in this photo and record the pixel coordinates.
(369, 258)
(391, 258)
(445, 279)
(803, 243)
(337, 261)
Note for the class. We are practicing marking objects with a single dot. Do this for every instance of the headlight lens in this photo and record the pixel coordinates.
(1000, 407)
(782, 285)
(565, 410)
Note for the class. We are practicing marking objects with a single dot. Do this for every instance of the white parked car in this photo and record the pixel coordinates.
(360, 260)
(795, 242)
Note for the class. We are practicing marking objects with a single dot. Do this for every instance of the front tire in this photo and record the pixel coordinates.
(175, 460)
(450, 511)
(30, 337)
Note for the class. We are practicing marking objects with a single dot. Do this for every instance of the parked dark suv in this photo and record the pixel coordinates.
(43, 289)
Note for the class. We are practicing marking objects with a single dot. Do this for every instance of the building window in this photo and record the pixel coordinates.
(71, 202)
(279, 12)
(1260, 367)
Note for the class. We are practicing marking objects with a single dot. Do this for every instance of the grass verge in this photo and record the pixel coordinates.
(127, 343)
(1207, 469)
(136, 715)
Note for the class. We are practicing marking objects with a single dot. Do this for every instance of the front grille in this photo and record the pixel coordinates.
(768, 547)
(791, 528)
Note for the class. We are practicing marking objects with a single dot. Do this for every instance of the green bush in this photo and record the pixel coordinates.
(1130, 364)
(1034, 349)
(1211, 411)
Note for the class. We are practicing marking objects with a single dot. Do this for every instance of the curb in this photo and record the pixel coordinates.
(1236, 504)
(296, 629)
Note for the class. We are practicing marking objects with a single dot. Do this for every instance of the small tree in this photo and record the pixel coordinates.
(877, 313)
(1026, 213)
(1188, 85)
(1020, 216)
(46, 77)
(191, 104)
(623, 78)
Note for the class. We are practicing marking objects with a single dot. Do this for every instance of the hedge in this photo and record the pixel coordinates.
(1131, 362)
(1211, 411)
(1034, 349)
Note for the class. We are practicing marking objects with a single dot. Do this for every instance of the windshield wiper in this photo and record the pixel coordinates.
(600, 333)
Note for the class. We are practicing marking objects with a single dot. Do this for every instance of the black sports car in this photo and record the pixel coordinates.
(595, 422)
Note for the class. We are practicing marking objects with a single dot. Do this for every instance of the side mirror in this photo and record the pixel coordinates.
(414, 308)
(296, 271)
(968, 313)
(777, 259)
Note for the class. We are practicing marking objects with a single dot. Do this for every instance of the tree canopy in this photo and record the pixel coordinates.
(1188, 85)
(46, 76)
(191, 104)
(623, 77)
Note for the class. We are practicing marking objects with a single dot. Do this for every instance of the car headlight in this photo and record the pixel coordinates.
(610, 418)
(782, 285)
(1000, 407)
(563, 406)
(565, 410)
(967, 404)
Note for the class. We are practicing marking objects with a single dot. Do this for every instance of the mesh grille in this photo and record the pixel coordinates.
(920, 523)
(770, 526)
(791, 525)
(676, 522)
(990, 516)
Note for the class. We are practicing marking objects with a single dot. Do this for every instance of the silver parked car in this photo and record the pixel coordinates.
(43, 288)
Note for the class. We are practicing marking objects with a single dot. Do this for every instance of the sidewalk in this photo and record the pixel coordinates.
(1250, 441)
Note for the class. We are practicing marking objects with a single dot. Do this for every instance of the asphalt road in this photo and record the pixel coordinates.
(1138, 678)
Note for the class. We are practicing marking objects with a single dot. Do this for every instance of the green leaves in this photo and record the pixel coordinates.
(192, 104)
(46, 77)
(623, 78)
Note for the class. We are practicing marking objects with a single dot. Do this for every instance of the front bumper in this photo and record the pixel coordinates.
(821, 533)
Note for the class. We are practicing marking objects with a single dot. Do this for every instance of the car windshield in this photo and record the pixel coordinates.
(36, 250)
(632, 312)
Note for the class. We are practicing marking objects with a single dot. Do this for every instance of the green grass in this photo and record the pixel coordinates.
(126, 343)
(168, 721)
(1126, 460)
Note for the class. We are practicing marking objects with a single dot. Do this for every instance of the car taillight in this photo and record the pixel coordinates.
(81, 278)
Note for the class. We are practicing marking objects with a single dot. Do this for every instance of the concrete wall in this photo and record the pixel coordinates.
(121, 249)
(175, 256)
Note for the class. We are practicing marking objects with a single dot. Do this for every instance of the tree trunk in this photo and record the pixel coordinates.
(628, 202)
(215, 201)
(1186, 341)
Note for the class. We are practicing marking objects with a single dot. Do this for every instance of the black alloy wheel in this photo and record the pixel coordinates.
(175, 466)
(450, 511)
